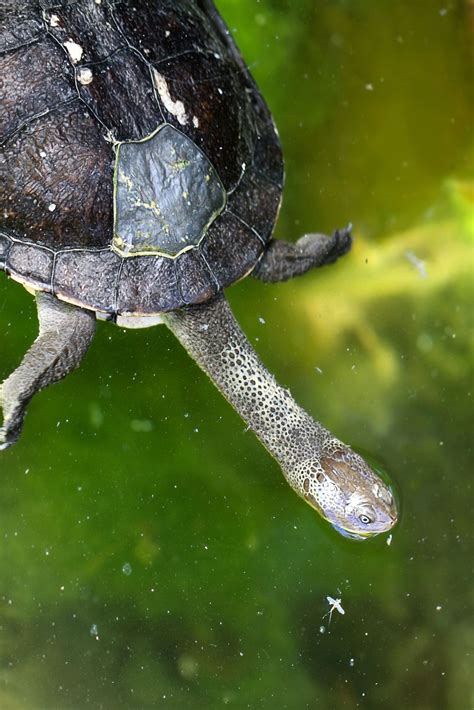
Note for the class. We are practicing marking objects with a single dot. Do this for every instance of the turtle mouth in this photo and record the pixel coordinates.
(352, 534)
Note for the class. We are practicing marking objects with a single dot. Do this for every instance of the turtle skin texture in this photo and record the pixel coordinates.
(79, 80)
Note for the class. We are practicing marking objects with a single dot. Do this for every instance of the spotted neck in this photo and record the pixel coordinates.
(320, 468)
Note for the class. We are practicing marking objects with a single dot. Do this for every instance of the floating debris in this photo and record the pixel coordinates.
(94, 631)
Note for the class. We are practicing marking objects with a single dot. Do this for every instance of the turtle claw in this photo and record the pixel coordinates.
(8, 437)
(4, 443)
(13, 416)
(324, 250)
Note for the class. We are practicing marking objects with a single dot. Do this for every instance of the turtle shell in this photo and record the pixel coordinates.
(140, 167)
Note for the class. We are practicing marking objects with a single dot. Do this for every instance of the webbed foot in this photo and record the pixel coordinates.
(14, 413)
(284, 260)
(65, 333)
(5, 442)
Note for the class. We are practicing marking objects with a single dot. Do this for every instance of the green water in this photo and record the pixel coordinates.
(151, 553)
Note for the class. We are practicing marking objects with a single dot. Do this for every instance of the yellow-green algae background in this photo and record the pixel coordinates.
(151, 554)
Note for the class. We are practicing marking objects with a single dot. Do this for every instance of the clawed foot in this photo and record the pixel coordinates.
(4, 442)
(65, 333)
(285, 260)
(322, 250)
(9, 434)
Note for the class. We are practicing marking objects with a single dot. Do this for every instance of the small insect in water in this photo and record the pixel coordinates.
(335, 604)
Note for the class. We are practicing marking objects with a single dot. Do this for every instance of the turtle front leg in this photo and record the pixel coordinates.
(65, 333)
(284, 260)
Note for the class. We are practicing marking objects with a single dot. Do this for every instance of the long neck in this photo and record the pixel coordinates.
(211, 335)
(331, 477)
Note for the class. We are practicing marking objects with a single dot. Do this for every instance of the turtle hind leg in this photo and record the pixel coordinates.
(284, 260)
(65, 333)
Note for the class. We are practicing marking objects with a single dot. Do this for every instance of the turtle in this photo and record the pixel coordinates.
(142, 175)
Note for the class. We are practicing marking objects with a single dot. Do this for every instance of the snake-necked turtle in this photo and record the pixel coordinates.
(141, 175)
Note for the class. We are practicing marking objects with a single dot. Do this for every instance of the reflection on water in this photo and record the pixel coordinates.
(151, 553)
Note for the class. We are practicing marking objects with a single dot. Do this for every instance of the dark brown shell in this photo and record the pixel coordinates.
(58, 137)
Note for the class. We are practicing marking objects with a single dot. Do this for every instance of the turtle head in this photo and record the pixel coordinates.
(348, 493)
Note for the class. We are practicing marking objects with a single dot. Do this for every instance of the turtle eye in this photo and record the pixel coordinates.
(365, 519)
